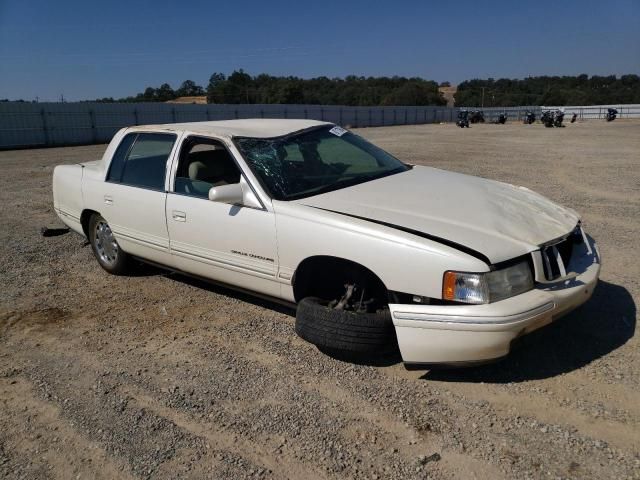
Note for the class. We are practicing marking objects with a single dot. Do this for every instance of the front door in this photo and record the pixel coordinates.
(227, 243)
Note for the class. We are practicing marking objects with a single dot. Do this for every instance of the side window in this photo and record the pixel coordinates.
(146, 161)
(117, 161)
(204, 163)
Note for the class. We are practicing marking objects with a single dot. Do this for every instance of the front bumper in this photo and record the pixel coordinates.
(459, 334)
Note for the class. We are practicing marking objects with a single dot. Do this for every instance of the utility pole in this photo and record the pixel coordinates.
(482, 103)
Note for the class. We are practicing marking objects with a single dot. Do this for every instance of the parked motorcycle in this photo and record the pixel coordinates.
(547, 118)
(552, 118)
(529, 118)
(611, 114)
(463, 119)
(477, 116)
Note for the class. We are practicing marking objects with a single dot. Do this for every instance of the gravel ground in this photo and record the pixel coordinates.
(160, 376)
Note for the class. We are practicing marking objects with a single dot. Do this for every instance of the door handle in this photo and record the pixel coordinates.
(179, 216)
(108, 199)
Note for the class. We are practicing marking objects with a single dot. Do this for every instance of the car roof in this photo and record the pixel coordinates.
(250, 127)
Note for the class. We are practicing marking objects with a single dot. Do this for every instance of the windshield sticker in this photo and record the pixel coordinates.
(338, 131)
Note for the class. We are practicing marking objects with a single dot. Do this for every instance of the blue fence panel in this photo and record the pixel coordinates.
(56, 124)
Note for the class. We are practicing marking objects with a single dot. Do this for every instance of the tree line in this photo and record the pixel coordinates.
(240, 87)
(545, 90)
(163, 93)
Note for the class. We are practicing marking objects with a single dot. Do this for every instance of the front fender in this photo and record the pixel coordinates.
(404, 262)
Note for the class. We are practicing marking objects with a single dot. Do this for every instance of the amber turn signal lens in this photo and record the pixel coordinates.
(449, 286)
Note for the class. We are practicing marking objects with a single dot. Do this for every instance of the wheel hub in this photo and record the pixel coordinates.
(106, 244)
(353, 300)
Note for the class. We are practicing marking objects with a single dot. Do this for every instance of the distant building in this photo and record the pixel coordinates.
(448, 93)
(195, 100)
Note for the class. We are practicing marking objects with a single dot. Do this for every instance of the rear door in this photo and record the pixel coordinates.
(134, 194)
(228, 243)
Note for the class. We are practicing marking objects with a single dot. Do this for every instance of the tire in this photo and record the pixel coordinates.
(345, 331)
(105, 247)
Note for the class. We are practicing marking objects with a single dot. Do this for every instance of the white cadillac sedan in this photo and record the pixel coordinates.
(376, 253)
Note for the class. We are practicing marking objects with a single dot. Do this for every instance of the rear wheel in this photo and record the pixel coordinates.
(105, 247)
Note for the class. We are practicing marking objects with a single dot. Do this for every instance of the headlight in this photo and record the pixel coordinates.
(487, 287)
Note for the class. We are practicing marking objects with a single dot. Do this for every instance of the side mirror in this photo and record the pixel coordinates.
(227, 194)
(235, 194)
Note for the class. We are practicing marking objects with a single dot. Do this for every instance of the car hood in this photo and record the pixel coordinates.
(498, 220)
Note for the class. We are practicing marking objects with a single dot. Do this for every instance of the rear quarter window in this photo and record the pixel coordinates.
(117, 161)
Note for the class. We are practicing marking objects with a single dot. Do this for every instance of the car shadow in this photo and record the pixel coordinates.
(220, 289)
(603, 324)
(143, 269)
(606, 322)
(383, 360)
(386, 359)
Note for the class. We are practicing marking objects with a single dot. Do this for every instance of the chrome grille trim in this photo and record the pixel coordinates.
(557, 255)
(556, 252)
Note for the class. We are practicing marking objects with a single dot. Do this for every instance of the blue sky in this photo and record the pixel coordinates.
(87, 49)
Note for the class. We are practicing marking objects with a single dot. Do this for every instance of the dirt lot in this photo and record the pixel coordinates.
(160, 376)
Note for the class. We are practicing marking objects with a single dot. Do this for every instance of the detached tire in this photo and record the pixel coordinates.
(345, 331)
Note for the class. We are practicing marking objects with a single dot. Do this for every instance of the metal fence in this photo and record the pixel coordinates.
(599, 111)
(58, 124)
(513, 113)
(586, 112)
